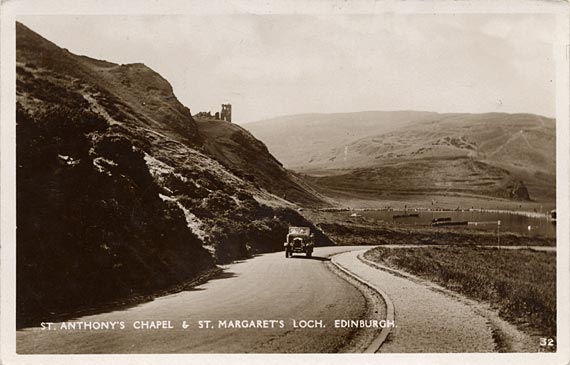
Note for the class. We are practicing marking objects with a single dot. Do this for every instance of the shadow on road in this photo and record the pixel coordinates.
(128, 303)
(220, 276)
(317, 258)
(224, 275)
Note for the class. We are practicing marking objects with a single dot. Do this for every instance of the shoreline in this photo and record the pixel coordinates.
(524, 213)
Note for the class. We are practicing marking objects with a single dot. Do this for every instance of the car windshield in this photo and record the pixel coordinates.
(299, 230)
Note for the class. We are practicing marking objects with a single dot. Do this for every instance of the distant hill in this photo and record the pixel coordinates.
(376, 153)
(299, 141)
(121, 193)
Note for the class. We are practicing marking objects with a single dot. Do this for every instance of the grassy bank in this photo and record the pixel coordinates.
(521, 284)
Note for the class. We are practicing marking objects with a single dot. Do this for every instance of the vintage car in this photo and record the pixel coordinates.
(299, 239)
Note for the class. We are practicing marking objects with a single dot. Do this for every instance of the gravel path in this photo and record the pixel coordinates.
(426, 320)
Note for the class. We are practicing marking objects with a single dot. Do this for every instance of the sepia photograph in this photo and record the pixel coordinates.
(325, 178)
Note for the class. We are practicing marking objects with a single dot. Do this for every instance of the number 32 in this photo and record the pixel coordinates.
(546, 342)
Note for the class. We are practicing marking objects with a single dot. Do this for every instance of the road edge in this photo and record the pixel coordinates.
(390, 312)
(501, 328)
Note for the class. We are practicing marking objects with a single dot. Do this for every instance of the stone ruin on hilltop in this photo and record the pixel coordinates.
(225, 114)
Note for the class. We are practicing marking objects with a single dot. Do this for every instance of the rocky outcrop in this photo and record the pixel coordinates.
(518, 191)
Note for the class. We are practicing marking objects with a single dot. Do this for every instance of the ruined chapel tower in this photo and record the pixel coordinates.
(226, 112)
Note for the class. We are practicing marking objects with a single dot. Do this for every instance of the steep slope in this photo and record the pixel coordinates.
(116, 194)
(249, 158)
(128, 88)
(494, 154)
(136, 89)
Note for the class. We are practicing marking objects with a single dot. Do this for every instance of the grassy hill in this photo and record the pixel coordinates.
(300, 141)
(417, 153)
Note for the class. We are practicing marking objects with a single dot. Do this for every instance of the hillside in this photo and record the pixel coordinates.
(121, 193)
(300, 140)
(249, 158)
(129, 89)
(490, 154)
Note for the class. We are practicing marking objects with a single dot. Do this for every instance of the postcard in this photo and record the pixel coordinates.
(313, 182)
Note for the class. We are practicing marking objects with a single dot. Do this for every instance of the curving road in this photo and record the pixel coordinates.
(432, 319)
(270, 287)
(267, 287)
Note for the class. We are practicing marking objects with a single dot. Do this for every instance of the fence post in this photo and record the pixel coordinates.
(499, 234)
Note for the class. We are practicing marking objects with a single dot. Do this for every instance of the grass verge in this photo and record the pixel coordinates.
(521, 284)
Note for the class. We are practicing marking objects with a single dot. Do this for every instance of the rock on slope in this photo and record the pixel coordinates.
(119, 193)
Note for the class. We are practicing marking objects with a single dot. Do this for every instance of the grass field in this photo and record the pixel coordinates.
(521, 284)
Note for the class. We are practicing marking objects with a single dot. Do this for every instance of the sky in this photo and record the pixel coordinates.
(273, 65)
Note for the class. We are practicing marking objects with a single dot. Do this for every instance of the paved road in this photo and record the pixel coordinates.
(267, 287)
(271, 287)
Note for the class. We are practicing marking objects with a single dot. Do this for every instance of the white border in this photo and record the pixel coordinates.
(11, 9)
